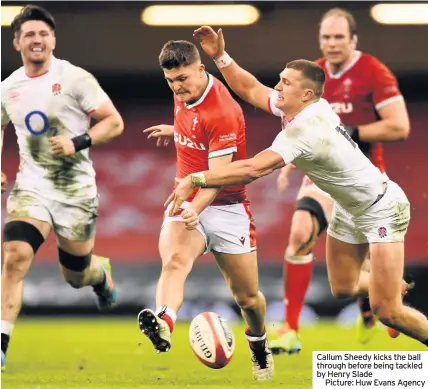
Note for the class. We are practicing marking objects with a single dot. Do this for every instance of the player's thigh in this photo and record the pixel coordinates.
(230, 229)
(179, 245)
(240, 272)
(344, 262)
(74, 224)
(387, 268)
(29, 207)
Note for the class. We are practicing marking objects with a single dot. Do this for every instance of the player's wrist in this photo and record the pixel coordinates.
(81, 142)
(198, 180)
(223, 60)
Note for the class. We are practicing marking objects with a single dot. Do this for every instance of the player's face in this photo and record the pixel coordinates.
(36, 41)
(187, 82)
(335, 40)
(291, 91)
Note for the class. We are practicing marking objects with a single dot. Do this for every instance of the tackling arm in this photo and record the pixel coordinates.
(243, 83)
(206, 196)
(240, 172)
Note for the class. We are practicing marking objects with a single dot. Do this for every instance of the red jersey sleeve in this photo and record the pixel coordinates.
(385, 86)
(222, 130)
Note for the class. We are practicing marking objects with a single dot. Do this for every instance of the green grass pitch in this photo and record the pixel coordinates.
(112, 354)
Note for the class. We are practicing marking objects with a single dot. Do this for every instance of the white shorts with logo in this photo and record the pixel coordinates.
(384, 222)
(75, 222)
(227, 229)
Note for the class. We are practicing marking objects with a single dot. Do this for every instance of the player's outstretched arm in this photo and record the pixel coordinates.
(236, 173)
(243, 83)
(206, 195)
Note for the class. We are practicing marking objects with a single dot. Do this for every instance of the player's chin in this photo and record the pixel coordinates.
(184, 97)
(37, 58)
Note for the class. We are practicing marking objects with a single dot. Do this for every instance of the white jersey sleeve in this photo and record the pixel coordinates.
(291, 144)
(272, 107)
(88, 92)
(4, 116)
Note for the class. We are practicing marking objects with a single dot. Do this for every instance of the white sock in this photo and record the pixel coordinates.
(6, 327)
(168, 311)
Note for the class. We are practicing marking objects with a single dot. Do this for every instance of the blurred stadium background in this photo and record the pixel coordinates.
(134, 177)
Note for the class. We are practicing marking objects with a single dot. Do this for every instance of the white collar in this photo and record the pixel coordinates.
(206, 91)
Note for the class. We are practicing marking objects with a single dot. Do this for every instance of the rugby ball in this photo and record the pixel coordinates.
(211, 340)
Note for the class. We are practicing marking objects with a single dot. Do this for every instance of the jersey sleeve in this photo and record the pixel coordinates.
(291, 144)
(4, 116)
(222, 131)
(271, 104)
(88, 92)
(385, 86)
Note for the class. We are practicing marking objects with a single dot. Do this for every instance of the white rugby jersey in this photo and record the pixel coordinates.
(56, 103)
(316, 143)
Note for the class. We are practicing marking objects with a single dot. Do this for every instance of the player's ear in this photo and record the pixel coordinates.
(309, 93)
(202, 69)
(355, 39)
(16, 44)
(54, 43)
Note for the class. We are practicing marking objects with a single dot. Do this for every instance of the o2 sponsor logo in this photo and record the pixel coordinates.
(37, 116)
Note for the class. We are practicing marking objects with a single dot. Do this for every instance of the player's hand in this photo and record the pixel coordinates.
(3, 182)
(211, 42)
(191, 218)
(181, 193)
(162, 133)
(62, 146)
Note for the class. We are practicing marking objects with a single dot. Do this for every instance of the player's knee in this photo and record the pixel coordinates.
(343, 291)
(75, 263)
(247, 301)
(22, 236)
(17, 259)
(306, 229)
(299, 236)
(177, 263)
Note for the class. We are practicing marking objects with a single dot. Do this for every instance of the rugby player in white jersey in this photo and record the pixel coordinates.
(371, 212)
(50, 103)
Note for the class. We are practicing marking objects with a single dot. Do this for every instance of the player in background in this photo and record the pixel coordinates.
(313, 207)
(50, 102)
(371, 212)
(209, 132)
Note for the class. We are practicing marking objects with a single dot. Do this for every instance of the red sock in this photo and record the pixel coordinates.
(297, 276)
(169, 321)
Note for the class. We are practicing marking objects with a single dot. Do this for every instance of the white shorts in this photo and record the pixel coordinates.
(227, 229)
(384, 222)
(74, 222)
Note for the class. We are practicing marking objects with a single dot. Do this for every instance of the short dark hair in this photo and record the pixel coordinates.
(178, 53)
(311, 71)
(32, 12)
(345, 14)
